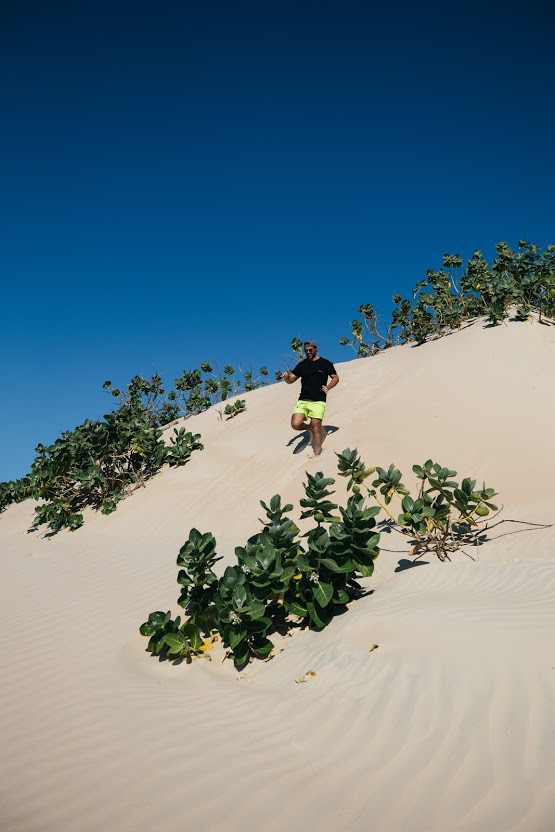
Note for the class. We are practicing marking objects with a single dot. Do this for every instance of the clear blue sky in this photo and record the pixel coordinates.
(184, 181)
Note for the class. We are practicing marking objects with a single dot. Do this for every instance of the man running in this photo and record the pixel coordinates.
(313, 372)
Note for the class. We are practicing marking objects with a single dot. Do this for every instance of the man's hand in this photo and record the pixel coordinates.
(334, 379)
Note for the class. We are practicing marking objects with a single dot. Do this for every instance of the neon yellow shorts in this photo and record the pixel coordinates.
(312, 410)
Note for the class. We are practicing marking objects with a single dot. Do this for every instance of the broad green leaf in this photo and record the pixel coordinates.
(323, 593)
(239, 596)
(366, 570)
(175, 643)
(158, 618)
(262, 647)
(241, 654)
(260, 625)
(333, 566)
(316, 615)
(296, 608)
(256, 610)
(236, 636)
(303, 563)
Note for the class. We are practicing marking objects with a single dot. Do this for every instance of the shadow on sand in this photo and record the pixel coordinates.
(303, 439)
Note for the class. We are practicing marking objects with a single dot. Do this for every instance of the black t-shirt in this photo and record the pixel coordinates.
(313, 375)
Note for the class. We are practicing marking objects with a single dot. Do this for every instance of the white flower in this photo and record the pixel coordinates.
(234, 617)
(245, 569)
(314, 577)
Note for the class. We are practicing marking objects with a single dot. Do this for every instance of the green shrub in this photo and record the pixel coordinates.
(182, 445)
(297, 347)
(440, 518)
(281, 578)
(97, 464)
(170, 638)
(366, 337)
(14, 491)
(100, 462)
(234, 409)
(523, 280)
(197, 390)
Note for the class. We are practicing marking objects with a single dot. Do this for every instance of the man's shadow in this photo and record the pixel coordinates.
(304, 437)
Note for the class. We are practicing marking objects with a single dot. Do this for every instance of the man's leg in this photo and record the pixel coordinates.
(317, 435)
(298, 422)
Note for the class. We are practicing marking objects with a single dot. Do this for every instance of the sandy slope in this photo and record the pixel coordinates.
(448, 725)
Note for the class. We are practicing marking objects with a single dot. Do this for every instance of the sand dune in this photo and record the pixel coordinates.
(447, 725)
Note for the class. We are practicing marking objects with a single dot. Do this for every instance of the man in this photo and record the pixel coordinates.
(313, 372)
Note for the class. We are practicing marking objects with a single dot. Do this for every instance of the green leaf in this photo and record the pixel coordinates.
(236, 636)
(316, 615)
(158, 619)
(333, 566)
(372, 541)
(241, 654)
(175, 642)
(303, 563)
(261, 647)
(260, 625)
(193, 634)
(287, 574)
(296, 609)
(256, 610)
(239, 596)
(366, 570)
(323, 593)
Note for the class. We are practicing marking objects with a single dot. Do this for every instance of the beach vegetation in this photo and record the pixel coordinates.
(367, 335)
(441, 516)
(14, 491)
(518, 282)
(99, 462)
(297, 347)
(281, 578)
(102, 460)
(238, 406)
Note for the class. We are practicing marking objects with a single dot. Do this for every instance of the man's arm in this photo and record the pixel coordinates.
(289, 377)
(334, 379)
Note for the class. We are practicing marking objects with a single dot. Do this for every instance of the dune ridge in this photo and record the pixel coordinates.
(447, 725)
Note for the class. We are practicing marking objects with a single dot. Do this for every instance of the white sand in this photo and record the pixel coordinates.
(448, 725)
